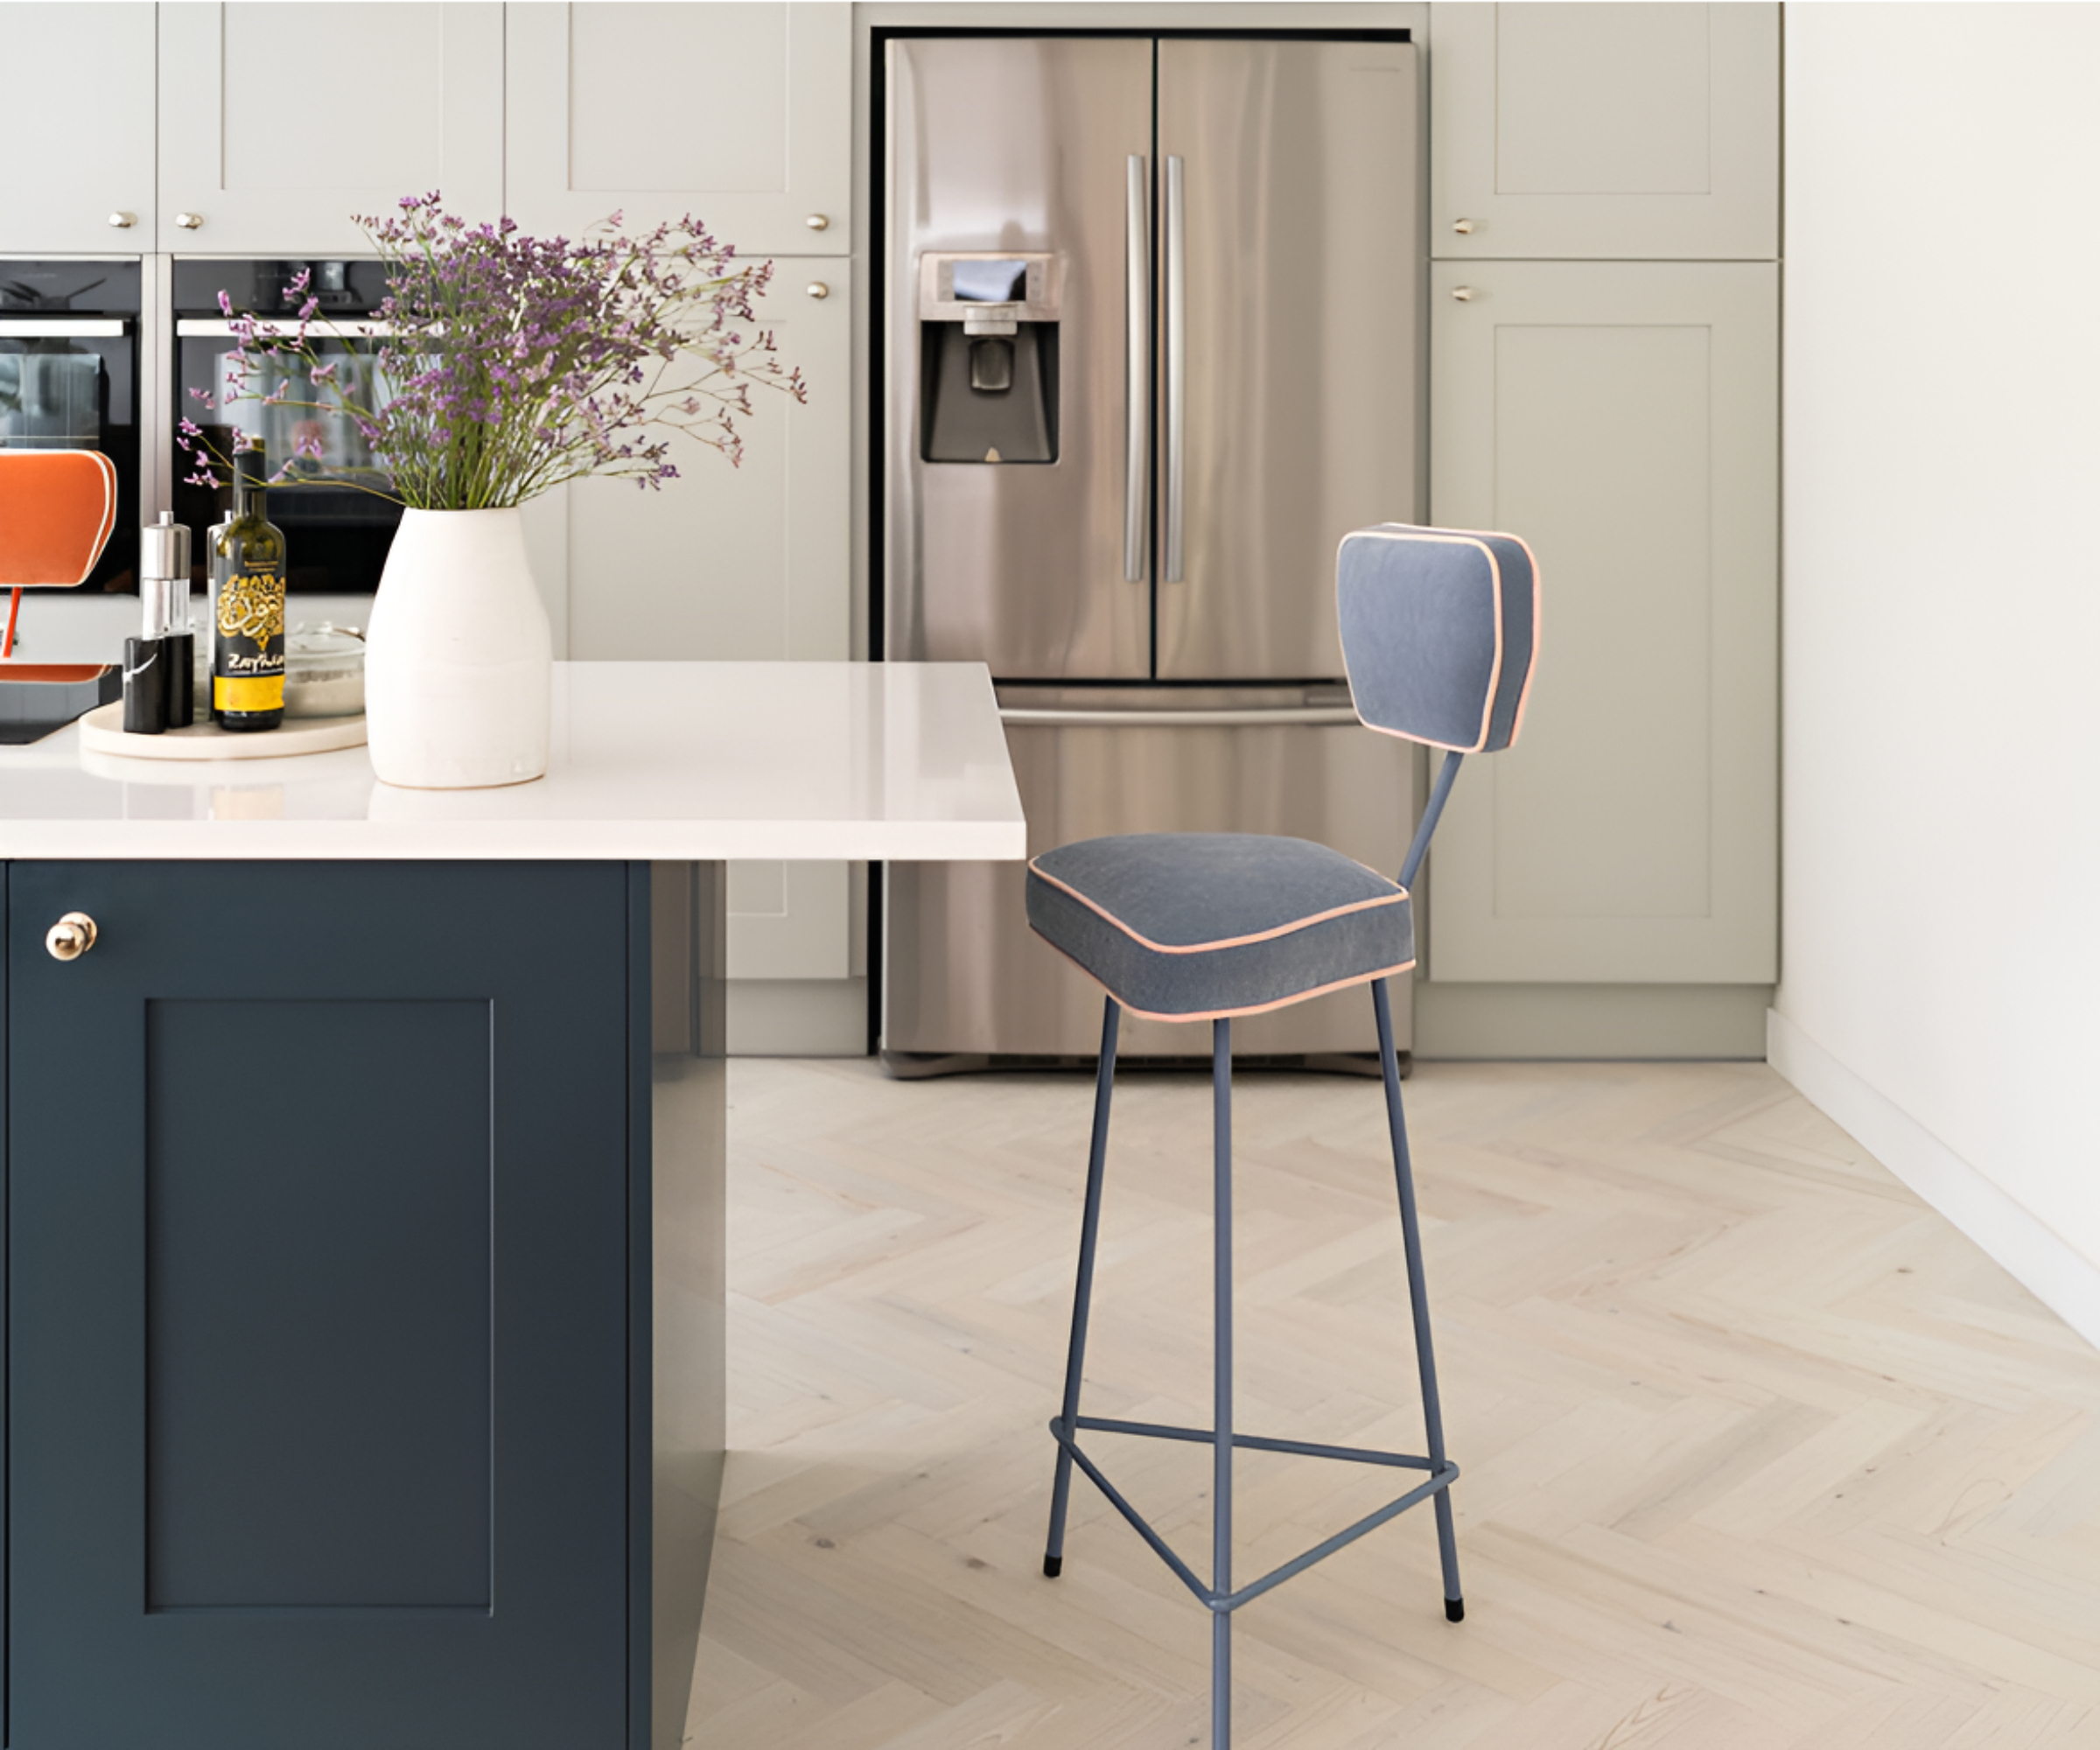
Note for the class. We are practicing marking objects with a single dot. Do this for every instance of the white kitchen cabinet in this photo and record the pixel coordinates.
(738, 113)
(1643, 131)
(1623, 417)
(747, 562)
(76, 128)
(279, 123)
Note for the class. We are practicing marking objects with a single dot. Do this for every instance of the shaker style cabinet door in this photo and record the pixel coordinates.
(1623, 418)
(318, 1302)
(76, 128)
(738, 112)
(281, 122)
(1645, 131)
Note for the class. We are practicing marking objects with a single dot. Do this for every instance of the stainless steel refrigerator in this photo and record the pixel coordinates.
(1149, 349)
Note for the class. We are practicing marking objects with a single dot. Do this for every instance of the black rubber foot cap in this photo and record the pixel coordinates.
(1454, 1610)
(1052, 1566)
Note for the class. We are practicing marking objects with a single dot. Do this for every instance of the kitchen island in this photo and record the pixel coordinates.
(364, 1245)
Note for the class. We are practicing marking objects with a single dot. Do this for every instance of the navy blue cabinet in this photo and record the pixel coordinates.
(325, 1244)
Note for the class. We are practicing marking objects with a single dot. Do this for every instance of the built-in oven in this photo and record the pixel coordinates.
(338, 523)
(69, 378)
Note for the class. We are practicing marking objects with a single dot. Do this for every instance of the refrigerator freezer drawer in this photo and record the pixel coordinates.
(965, 976)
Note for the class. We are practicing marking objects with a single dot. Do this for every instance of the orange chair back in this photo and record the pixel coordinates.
(58, 509)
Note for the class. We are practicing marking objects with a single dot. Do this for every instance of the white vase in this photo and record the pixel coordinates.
(458, 659)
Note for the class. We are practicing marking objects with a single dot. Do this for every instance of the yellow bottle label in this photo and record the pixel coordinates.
(243, 693)
(247, 662)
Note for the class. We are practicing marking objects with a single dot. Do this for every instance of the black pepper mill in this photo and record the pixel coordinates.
(158, 686)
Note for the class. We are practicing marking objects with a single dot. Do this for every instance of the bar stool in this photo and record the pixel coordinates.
(1440, 632)
(58, 509)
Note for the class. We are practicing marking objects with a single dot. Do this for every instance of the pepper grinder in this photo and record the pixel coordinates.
(160, 687)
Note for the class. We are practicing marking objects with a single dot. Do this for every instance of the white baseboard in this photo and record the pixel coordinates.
(2062, 1278)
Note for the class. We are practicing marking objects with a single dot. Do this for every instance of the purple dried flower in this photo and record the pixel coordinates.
(515, 363)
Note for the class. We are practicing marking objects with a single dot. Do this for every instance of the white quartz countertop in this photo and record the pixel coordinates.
(657, 761)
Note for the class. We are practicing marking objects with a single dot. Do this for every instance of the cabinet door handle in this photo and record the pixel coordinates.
(189, 221)
(1463, 293)
(71, 937)
(817, 221)
(819, 290)
(124, 221)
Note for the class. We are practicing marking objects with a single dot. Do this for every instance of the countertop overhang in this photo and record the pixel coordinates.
(648, 761)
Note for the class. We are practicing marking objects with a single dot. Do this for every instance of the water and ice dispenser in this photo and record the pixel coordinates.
(988, 357)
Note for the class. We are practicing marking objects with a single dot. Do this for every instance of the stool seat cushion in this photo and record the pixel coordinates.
(1200, 926)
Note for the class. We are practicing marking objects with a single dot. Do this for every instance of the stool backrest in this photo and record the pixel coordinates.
(58, 509)
(1439, 629)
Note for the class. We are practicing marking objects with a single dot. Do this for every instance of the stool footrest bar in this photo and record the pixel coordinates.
(1259, 1443)
(1160, 1547)
(1319, 1552)
(1440, 1477)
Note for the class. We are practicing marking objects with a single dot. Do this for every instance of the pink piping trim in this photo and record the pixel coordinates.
(1415, 531)
(108, 527)
(1234, 1014)
(1397, 897)
(1537, 610)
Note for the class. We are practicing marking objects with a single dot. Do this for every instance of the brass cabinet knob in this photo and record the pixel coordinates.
(124, 221)
(1463, 226)
(71, 937)
(1463, 293)
(819, 290)
(818, 221)
(189, 221)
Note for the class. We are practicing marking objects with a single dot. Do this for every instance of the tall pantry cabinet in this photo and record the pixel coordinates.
(740, 114)
(1604, 299)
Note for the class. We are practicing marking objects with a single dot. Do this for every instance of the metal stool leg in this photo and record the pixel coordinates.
(1061, 1492)
(1418, 1293)
(1220, 1447)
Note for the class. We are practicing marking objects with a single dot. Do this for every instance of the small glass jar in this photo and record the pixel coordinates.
(325, 671)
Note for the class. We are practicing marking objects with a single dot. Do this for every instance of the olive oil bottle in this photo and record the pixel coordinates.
(247, 607)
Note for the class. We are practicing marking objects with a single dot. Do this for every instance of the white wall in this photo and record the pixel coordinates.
(1942, 716)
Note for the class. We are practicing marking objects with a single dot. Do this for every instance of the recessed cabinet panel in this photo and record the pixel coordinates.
(1646, 131)
(732, 563)
(280, 124)
(76, 128)
(1621, 417)
(605, 116)
(319, 1419)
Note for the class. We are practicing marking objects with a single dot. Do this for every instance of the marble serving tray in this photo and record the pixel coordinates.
(102, 731)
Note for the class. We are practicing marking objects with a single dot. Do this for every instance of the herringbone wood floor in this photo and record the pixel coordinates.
(1757, 1450)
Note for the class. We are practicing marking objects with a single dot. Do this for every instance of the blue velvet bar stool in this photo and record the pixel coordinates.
(1439, 630)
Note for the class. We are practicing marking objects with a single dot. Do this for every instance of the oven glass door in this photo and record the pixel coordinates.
(336, 530)
(69, 377)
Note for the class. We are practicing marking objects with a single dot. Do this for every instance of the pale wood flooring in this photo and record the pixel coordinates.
(1757, 1450)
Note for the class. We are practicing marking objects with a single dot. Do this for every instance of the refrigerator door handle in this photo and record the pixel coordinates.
(1177, 363)
(1023, 715)
(1137, 327)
